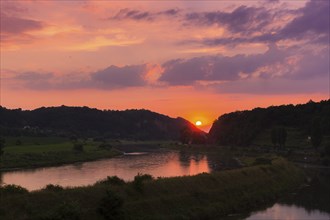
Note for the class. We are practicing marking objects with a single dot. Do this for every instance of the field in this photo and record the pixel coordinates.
(24, 152)
(204, 196)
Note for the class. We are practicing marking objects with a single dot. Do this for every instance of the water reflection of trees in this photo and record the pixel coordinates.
(315, 194)
(186, 157)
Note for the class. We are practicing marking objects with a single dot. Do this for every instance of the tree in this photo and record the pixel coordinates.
(316, 133)
(185, 135)
(278, 136)
(2, 145)
(282, 137)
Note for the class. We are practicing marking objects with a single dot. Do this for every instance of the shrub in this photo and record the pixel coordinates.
(110, 206)
(55, 188)
(139, 179)
(114, 180)
(12, 189)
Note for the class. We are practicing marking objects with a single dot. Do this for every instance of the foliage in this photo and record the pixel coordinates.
(185, 135)
(278, 136)
(316, 133)
(242, 127)
(110, 206)
(54, 188)
(50, 151)
(139, 180)
(74, 122)
(2, 145)
(113, 180)
(191, 135)
(12, 189)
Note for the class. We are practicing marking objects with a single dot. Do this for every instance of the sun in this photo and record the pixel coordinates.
(198, 123)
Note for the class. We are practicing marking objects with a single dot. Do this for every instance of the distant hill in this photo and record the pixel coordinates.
(243, 128)
(91, 122)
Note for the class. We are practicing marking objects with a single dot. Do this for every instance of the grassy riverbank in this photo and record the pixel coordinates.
(204, 196)
(28, 152)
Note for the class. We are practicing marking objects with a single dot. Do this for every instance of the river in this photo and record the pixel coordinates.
(158, 164)
(311, 202)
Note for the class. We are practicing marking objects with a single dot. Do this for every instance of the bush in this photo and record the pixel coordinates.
(55, 188)
(114, 180)
(12, 189)
(110, 206)
(139, 179)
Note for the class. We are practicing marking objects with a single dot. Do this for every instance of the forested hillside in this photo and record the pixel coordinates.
(243, 128)
(88, 122)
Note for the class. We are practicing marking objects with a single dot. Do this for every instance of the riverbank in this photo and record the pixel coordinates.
(207, 196)
(32, 152)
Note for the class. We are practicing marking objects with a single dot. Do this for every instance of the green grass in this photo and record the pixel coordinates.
(47, 151)
(204, 196)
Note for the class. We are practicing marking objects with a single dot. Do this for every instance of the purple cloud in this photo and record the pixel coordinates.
(137, 15)
(32, 76)
(115, 77)
(314, 18)
(311, 24)
(132, 14)
(242, 20)
(17, 25)
(218, 68)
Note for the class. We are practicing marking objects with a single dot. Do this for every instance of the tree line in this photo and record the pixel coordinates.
(241, 128)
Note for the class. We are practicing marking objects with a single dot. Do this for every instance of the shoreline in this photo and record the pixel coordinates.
(21, 168)
(214, 195)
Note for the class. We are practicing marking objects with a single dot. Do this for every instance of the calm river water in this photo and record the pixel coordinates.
(158, 164)
(309, 203)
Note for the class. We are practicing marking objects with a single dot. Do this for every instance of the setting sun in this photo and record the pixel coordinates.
(198, 123)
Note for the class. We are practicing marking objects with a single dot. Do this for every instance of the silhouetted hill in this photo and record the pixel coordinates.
(243, 127)
(91, 122)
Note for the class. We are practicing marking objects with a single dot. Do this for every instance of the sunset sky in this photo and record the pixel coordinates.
(192, 59)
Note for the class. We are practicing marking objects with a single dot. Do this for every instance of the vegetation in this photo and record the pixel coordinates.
(204, 196)
(87, 122)
(243, 128)
(46, 151)
(316, 133)
(2, 145)
(279, 135)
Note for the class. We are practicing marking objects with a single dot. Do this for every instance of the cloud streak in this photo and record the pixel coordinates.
(138, 15)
